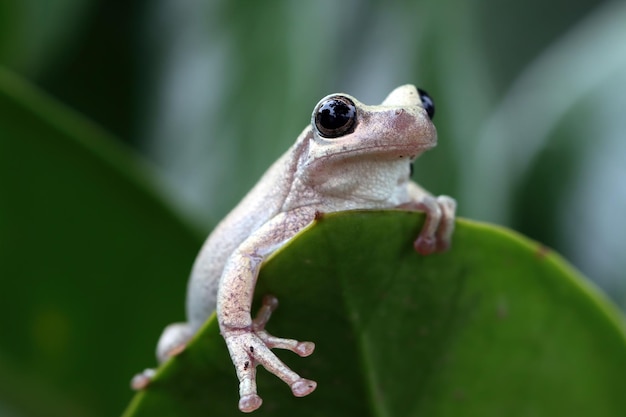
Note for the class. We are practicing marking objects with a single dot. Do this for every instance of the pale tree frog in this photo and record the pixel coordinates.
(351, 156)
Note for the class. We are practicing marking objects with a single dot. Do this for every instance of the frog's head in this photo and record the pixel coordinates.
(344, 128)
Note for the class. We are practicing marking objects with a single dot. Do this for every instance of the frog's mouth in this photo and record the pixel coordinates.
(370, 153)
(387, 152)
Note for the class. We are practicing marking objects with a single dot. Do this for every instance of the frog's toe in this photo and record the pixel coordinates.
(141, 380)
(446, 225)
(303, 387)
(425, 245)
(249, 403)
(270, 303)
(304, 349)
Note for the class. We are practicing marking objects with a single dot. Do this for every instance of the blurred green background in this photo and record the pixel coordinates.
(204, 95)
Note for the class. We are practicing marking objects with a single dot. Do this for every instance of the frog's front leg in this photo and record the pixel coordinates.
(436, 233)
(247, 341)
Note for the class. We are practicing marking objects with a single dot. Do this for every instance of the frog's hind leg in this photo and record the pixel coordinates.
(173, 340)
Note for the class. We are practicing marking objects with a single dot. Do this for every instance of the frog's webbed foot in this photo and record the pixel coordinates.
(173, 340)
(436, 233)
(251, 347)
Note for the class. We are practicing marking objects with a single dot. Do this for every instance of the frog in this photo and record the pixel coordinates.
(351, 156)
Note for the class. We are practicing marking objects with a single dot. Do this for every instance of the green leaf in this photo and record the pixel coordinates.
(498, 326)
(88, 254)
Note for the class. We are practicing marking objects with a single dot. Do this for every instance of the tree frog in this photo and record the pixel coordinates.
(351, 156)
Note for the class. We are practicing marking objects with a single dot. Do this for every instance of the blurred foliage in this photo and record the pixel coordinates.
(81, 233)
(529, 99)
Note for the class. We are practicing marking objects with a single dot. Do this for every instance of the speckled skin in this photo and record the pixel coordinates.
(368, 168)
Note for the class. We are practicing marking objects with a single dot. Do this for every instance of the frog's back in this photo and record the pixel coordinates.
(262, 203)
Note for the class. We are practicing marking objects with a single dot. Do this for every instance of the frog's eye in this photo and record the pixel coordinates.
(427, 101)
(335, 116)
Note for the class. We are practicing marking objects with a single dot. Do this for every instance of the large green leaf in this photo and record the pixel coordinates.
(83, 239)
(499, 326)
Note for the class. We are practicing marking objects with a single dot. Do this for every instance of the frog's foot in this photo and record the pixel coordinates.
(437, 231)
(250, 347)
(173, 341)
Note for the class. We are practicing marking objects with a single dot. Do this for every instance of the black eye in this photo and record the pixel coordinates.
(429, 104)
(335, 116)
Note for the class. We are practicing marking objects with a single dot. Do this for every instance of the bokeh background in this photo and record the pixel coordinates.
(205, 94)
